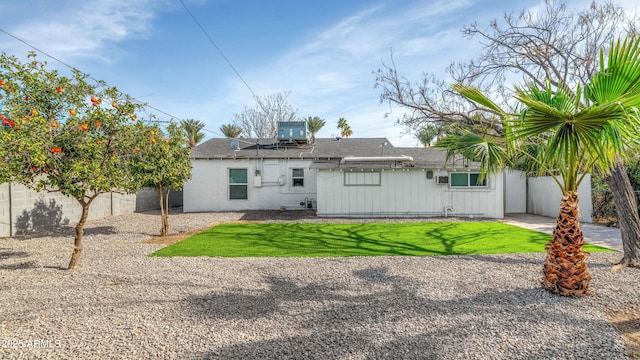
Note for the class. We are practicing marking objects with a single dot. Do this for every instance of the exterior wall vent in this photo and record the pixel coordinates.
(442, 180)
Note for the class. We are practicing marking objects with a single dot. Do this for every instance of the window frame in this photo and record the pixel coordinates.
(299, 178)
(469, 183)
(349, 182)
(238, 184)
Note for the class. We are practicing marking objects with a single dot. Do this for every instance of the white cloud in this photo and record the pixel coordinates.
(76, 29)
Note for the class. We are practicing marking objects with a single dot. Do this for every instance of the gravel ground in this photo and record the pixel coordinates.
(122, 304)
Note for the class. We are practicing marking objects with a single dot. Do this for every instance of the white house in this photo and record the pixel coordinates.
(355, 177)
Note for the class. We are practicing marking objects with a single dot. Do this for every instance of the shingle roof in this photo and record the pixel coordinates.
(327, 152)
(268, 148)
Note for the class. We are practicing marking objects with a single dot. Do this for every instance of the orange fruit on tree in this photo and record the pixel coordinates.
(84, 127)
(73, 112)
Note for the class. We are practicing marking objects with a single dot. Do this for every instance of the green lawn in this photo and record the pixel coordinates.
(367, 239)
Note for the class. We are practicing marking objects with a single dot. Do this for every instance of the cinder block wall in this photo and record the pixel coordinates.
(147, 199)
(23, 210)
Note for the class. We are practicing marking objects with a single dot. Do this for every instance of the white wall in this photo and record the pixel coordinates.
(515, 192)
(208, 189)
(405, 192)
(545, 195)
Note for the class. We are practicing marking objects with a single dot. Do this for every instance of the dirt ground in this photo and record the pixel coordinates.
(626, 323)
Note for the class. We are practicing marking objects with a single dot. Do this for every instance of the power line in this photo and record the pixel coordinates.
(206, 34)
(219, 50)
(88, 75)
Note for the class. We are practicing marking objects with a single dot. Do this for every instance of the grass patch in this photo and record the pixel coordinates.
(366, 239)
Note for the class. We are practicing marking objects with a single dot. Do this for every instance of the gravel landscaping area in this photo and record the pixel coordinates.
(122, 304)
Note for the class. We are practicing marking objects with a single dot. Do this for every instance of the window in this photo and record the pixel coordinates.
(467, 180)
(362, 178)
(238, 184)
(297, 177)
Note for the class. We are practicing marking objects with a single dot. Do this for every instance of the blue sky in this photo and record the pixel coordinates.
(322, 52)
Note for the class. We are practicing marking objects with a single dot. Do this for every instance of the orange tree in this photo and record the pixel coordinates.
(64, 134)
(163, 163)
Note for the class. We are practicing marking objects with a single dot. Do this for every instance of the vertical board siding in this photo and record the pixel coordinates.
(515, 194)
(406, 193)
(545, 195)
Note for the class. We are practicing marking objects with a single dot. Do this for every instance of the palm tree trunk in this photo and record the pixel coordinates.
(627, 210)
(565, 270)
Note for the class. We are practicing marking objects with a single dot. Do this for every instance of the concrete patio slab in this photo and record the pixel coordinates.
(599, 235)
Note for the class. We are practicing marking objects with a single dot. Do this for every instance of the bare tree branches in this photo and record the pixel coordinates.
(555, 44)
(261, 121)
(430, 101)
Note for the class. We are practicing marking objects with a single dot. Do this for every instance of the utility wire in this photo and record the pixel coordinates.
(89, 76)
(255, 97)
(219, 50)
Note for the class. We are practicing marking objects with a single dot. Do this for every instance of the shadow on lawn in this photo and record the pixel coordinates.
(370, 239)
(325, 320)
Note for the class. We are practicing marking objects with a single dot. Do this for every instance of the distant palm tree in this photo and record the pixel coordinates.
(314, 124)
(193, 129)
(346, 131)
(429, 133)
(342, 122)
(230, 131)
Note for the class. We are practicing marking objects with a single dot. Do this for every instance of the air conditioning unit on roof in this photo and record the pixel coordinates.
(442, 180)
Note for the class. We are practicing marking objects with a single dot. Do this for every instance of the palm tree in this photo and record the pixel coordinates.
(566, 137)
(314, 124)
(342, 123)
(193, 128)
(431, 132)
(346, 131)
(230, 131)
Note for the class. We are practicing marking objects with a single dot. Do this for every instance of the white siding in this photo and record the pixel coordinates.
(515, 192)
(404, 192)
(545, 195)
(271, 188)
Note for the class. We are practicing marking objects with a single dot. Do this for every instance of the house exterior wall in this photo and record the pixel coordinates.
(404, 192)
(545, 195)
(24, 210)
(269, 185)
(515, 192)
